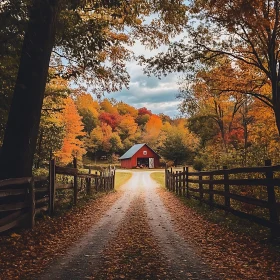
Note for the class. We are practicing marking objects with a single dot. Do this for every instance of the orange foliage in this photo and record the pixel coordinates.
(72, 145)
(86, 102)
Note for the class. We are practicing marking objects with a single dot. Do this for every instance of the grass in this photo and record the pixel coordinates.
(121, 178)
(159, 178)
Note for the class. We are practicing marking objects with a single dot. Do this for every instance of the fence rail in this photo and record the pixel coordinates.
(21, 199)
(219, 190)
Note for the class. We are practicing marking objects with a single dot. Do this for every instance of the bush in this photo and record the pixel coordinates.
(198, 164)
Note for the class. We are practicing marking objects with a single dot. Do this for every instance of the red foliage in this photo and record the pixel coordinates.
(144, 111)
(112, 120)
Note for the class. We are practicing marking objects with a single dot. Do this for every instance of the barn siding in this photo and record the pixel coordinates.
(132, 162)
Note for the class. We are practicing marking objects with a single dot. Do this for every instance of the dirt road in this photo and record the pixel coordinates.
(135, 239)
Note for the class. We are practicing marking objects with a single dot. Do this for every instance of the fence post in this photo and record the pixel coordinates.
(180, 183)
(114, 175)
(165, 173)
(187, 182)
(184, 182)
(177, 183)
(75, 182)
(226, 186)
(211, 195)
(273, 215)
(96, 182)
(171, 180)
(32, 203)
(200, 186)
(89, 183)
(166, 179)
(51, 186)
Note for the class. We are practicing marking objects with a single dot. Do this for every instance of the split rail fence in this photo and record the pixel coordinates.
(21, 199)
(252, 193)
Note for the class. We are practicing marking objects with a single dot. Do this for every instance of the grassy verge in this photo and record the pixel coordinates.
(159, 178)
(121, 178)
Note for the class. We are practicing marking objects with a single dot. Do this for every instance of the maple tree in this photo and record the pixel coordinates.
(112, 120)
(103, 140)
(72, 145)
(152, 131)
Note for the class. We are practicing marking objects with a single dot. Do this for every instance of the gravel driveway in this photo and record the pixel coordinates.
(86, 259)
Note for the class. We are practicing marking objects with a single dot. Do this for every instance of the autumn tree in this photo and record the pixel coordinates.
(179, 144)
(243, 31)
(103, 141)
(112, 120)
(52, 125)
(125, 109)
(44, 15)
(152, 131)
(89, 110)
(72, 145)
(127, 127)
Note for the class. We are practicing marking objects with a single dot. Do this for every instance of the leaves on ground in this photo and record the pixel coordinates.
(28, 252)
(134, 252)
(232, 256)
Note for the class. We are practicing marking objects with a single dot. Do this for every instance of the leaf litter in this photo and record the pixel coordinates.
(233, 256)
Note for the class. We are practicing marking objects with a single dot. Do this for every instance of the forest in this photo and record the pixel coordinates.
(229, 92)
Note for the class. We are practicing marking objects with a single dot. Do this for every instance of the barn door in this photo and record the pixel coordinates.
(151, 163)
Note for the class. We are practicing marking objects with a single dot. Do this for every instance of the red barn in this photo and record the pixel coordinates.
(140, 155)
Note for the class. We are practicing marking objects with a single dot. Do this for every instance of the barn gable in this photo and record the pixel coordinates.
(140, 155)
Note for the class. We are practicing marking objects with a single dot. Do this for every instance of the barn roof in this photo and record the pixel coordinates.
(131, 152)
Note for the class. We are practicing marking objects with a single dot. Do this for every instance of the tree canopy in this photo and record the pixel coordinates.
(90, 36)
(240, 32)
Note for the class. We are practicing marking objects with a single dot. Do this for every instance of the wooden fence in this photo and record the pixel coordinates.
(22, 198)
(252, 193)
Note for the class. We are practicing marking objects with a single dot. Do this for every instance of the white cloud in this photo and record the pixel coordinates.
(157, 95)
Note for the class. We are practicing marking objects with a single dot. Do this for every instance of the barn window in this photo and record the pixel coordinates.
(144, 153)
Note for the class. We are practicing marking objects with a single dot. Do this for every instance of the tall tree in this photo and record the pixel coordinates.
(21, 132)
(89, 110)
(244, 31)
(72, 145)
(52, 125)
(179, 144)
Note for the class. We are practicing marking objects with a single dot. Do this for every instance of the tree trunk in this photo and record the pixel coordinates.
(39, 149)
(20, 138)
(277, 116)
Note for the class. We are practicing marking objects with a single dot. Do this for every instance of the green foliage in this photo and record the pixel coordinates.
(13, 22)
(198, 164)
(88, 119)
(175, 148)
(204, 127)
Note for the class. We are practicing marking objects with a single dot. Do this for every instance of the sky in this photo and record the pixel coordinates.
(157, 95)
